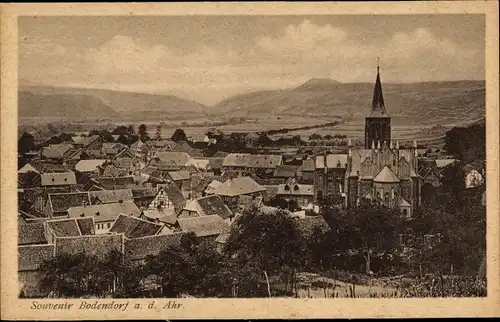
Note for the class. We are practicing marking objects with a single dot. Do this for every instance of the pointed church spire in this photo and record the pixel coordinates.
(378, 97)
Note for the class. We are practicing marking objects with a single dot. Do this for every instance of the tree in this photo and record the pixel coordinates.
(143, 131)
(314, 137)
(158, 133)
(179, 136)
(131, 129)
(25, 143)
(370, 229)
(266, 242)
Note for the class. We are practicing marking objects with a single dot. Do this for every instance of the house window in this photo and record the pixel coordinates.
(109, 224)
(405, 213)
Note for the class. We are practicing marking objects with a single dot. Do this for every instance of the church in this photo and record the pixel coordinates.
(382, 171)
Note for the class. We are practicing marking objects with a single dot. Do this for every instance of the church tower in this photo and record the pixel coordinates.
(377, 123)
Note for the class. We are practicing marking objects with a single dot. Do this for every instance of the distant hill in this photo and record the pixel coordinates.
(63, 106)
(431, 101)
(69, 102)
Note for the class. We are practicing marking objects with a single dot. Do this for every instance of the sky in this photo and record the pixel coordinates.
(211, 58)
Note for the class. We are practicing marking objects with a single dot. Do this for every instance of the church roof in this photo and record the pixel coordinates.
(386, 175)
(378, 105)
(404, 203)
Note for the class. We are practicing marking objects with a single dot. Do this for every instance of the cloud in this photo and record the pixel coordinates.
(123, 54)
(210, 73)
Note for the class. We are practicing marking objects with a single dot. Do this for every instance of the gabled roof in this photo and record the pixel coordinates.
(110, 196)
(174, 194)
(30, 257)
(212, 186)
(386, 175)
(84, 140)
(332, 161)
(211, 205)
(238, 186)
(143, 193)
(55, 151)
(204, 225)
(266, 161)
(31, 233)
(140, 248)
(179, 175)
(167, 216)
(133, 227)
(178, 158)
(89, 165)
(61, 202)
(286, 171)
(105, 212)
(29, 167)
(58, 178)
(236, 160)
(112, 171)
(67, 227)
(404, 203)
(112, 183)
(92, 245)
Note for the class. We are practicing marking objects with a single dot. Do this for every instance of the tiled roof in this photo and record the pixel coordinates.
(265, 161)
(248, 201)
(178, 158)
(199, 184)
(216, 162)
(86, 225)
(56, 151)
(105, 212)
(31, 257)
(174, 194)
(200, 164)
(286, 171)
(31, 233)
(67, 227)
(92, 245)
(296, 189)
(84, 140)
(332, 161)
(167, 216)
(111, 170)
(143, 193)
(133, 227)
(236, 160)
(110, 196)
(386, 175)
(58, 179)
(204, 225)
(61, 202)
(212, 186)
(89, 165)
(140, 248)
(212, 205)
(112, 183)
(239, 186)
(179, 175)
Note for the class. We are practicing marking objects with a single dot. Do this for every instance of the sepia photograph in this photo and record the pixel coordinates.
(293, 156)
